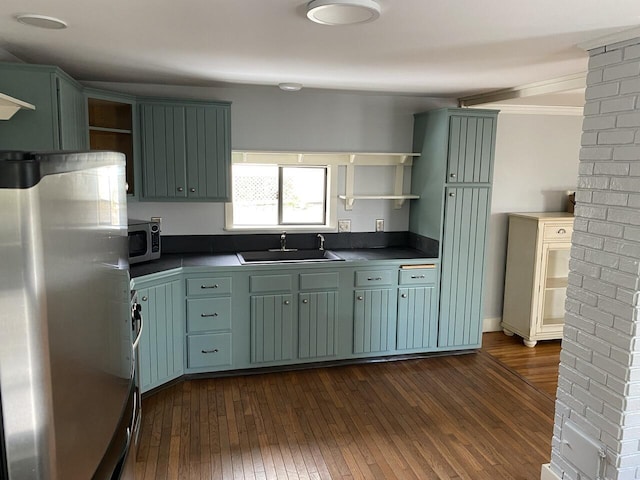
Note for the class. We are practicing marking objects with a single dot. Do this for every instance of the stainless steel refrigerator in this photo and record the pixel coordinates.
(67, 367)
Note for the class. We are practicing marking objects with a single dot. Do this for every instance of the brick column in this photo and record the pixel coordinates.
(598, 402)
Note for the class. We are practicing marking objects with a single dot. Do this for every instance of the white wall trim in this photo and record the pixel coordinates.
(492, 324)
(547, 474)
(621, 36)
(534, 109)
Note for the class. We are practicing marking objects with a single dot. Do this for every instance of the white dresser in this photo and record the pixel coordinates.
(536, 276)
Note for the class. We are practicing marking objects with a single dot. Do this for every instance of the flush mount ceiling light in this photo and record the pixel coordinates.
(290, 87)
(41, 21)
(342, 12)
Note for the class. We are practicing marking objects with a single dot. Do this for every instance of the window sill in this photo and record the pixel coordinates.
(282, 228)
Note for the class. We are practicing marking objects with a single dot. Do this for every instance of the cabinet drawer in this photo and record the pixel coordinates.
(418, 276)
(213, 350)
(208, 314)
(199, 287)
(311, 281)
(558, 232)
(269, 283)
(375, 277)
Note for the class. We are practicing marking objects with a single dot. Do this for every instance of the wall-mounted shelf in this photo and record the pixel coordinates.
(9, 106)
(399, 199)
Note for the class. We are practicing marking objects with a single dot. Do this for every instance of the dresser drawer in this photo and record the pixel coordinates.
(558, 232)
(418, 276)
(375, 277)
(200, 287)
(212, 350)
(208, 314)
(270, 283)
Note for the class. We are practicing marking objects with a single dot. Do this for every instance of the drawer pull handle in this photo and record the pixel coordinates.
(561, 231)
(287, 302)
(404, 295)
(215, 350)
(204, 315)
(209, 286)
(360, 297)
(372, 279)
(417, 276)
(305, 301)
(144, 299)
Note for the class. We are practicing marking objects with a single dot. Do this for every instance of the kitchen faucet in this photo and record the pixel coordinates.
(321, 237)
(283, 241)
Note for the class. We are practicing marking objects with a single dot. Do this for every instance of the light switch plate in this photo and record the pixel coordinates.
(344, 226)
(379, 225)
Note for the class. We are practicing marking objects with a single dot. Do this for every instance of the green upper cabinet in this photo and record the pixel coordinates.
(59, 121)
(471, 143)
(186, 150)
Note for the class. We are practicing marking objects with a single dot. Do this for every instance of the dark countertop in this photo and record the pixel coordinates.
(177, 260)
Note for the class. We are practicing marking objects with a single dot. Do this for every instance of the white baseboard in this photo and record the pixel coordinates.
(492, 324)
(547, 474)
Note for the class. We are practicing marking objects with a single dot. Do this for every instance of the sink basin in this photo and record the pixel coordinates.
(287, 256)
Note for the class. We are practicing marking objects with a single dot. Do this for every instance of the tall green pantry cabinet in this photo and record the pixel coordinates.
(454, 180)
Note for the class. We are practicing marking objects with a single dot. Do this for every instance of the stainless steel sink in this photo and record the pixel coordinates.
(287, 256)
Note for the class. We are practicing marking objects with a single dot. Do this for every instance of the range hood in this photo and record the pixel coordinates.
(10, 105)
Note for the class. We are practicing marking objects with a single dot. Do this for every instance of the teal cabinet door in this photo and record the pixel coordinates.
(463, 258)
(186, 151)
(163, 151)
(161, 352)
(208, 152)
(417, 318)
(317, 333)
(72, 116)
(271, 328)
(471, 144)
(374, 320)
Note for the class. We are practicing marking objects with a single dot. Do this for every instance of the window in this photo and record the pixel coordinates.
(279, 196)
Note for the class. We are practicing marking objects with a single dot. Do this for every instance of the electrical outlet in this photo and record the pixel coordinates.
(380, 225)
(344, 226)
(158, 220)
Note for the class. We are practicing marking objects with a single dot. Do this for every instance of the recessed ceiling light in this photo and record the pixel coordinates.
(342, 12)
(41, 21)
(290, 87)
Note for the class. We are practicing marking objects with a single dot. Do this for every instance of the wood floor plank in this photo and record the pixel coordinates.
(484, 415)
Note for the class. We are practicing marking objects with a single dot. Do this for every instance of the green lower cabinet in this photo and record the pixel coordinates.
(161, 352)
(463, 258)
(317, 329)
(271, 328)
(374, 320)
(417, 318)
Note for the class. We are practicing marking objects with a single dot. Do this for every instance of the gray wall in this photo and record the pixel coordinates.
(536, 163)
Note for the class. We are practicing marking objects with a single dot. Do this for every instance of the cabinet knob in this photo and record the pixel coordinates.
(215, 350)
(561, 231)
(452, 194)
(144, 299)
(192, 190)
(452, 175)
(360, 297)
(287, 302)
(180, 189)
(404, 295)
(305, 301)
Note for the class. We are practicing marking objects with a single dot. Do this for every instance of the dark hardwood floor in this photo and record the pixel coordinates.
(451, 417)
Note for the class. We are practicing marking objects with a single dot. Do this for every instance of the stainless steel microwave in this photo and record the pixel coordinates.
(144, 241)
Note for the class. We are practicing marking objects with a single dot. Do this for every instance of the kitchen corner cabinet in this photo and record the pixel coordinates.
(161, 348)
(536, 275)
(186, 150)
(59, 121)
(454, 206)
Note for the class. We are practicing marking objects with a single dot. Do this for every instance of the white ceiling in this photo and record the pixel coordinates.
(449, 48)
